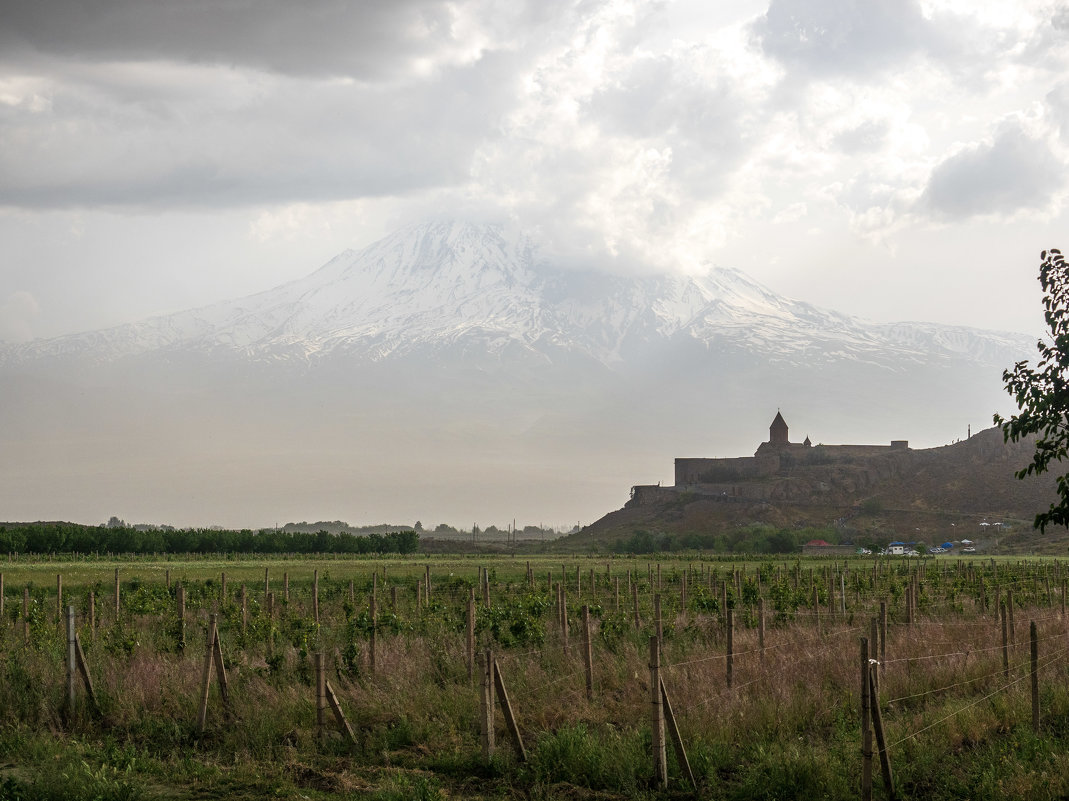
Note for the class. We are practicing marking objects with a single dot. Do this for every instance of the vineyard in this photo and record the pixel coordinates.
(502, 678)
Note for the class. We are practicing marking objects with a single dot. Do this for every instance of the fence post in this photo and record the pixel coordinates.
(470, 639)
(180, 611)
(588, 656)
(117, 602)
(206, 677)
(71, 660)
(1013, 627)
(486, 716)
(761, 626)
(1035, 676)
(26, 612)
(373, 609)
(881, 739)
(883, 638)
(866, 725)
(59, 597)
(315, 595)
(660, 754)
(731, 646)
(222, 592)
(1005, 641)
(658, 626)
(321, 695)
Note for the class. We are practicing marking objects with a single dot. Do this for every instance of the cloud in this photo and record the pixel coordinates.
(359, 39)
(1016, 170)
(842, 37)
(17, 314)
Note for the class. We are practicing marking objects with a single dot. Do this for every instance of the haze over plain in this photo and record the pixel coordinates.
(894, 161)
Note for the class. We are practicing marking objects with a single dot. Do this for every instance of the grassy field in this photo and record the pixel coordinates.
(788, 726)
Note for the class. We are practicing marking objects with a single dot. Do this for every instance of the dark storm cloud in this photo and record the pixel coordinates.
(842, 36)
(1014, 172)
(107, 140)
(366, 40)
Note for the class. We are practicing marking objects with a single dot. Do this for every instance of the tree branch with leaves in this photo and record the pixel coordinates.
(1042, 392)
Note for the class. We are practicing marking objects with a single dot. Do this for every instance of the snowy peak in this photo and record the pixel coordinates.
(488, 289)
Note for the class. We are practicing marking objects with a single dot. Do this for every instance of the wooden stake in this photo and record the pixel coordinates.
(83, 670)
(510, 717)
(206, 676)
(866, 725)
(660, 755)
(1035, 676)
(881, 739)
(59, 597)
(71, 660)
(731, 646)
(321, 696)
(588, 656)
(486, 717)
(470, 638)
(1005, 641)
(373, 645)
(117, 602)
(315, 595)
(339, 716)
(677, 740)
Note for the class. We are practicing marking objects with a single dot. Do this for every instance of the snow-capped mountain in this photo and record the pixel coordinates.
(452, 371)
(440, 284)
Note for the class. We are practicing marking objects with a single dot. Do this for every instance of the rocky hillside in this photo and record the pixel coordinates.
(924, 495)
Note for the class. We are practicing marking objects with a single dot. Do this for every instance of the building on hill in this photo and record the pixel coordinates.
(771, 458)
(772, 473)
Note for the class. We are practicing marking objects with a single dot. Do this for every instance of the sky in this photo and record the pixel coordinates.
(892, 160)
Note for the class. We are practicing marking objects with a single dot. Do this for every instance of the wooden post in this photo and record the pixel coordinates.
(470, 638)
(588, 655)
(564, 616)
(222, 592)
(71, 660)
(866, 725)
(117, 601)
(634, 599)
(167, 578)
(315, 595)
(321, 696)
(486, 717)
(761, 626)
(874, 637)
(510, 716)
(881, 739)
(1005, 641)
(286, 586)
(883, 638)
(731, 646)
(486, 588)
(206, 676)
(1064, 582)
(677, 740)
(658, 626)
(616, 607)
(428, 574)
(267, 581)
(180, 612)
(660, 754)
(373, 608)
(26, 613)
(59, 597)
(1009, 609)
(393, 597)
(1035, 676)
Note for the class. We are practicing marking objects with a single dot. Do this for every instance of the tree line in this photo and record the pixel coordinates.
(77, 538)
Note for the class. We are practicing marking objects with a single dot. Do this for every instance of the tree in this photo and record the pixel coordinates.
(1042, 392)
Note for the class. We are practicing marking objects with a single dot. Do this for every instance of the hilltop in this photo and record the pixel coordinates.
(872, 494)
